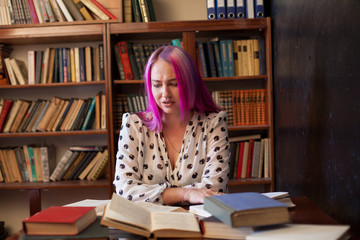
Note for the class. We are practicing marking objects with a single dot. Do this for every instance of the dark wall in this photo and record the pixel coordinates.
(316, 60)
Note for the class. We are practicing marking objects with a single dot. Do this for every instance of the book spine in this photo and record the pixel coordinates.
(32, 163)
(102, 8)
(60, 165)
(49, 11)
(45, 163)
(96, 10)
(70, 5)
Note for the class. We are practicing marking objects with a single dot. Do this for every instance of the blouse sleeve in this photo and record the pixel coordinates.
(216, 172)
(129, 161)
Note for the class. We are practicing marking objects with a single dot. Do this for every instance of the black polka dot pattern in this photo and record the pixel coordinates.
(143, 170)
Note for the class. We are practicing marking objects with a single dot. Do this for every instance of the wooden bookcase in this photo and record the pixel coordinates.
(189, 32)
(109, 32)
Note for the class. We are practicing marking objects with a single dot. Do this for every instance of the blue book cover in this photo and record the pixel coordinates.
(210, 59)
(218, 59)
(230, 58)
(240, 9)
(247, 209)
(259, 8)
(224, 57)
(202, 59)
(90, 116)
(221, 9)
(211, 9)
(230, 9)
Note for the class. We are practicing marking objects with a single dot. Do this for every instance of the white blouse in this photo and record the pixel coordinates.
(143, 169)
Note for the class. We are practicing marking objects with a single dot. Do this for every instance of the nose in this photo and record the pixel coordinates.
(166, 92)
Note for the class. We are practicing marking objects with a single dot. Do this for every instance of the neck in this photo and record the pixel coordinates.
(172, 121)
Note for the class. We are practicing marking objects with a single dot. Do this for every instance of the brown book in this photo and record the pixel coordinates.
(61, 113)
(74, 114)
(13, 165)
(12, 114)
(51, 65)
(88, 63)
(20, 115)
(5, 166)
(20, 70)
(68, 114)
(45, 120)
(55, 115)
(97, 110)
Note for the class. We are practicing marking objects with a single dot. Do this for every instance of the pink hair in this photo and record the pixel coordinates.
(192, 90)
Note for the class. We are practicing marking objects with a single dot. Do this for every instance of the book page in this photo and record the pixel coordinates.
(152, 207)
(174, 220)
(121, 209)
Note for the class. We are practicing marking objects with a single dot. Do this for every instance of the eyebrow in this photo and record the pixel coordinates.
(169, 80)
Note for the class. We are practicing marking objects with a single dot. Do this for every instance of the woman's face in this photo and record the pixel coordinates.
(164, 87)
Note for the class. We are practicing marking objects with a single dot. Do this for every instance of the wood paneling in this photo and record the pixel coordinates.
(316, 88)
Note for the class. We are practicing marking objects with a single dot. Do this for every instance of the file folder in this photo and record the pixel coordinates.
(250, 11)
(221, 9)
(211, 9)
(230, 9)
(240, 9)
(259, 9)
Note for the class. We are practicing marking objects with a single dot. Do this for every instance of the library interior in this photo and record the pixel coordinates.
(285, 72)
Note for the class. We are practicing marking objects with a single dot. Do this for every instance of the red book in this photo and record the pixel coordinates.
(240, 161)
(102, 8)
(250, 158)
(33, 11)
(5, 112)
(60, 220)
(124, 55)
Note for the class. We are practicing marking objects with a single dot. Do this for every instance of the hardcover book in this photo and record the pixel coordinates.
(130, 217)
(60, 220)
(247, 209)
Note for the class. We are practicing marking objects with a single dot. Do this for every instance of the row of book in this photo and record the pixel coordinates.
(131, 58)
(43, 11)
(244, 107)
(128, 103)
(250, 157)
(232, 57)
(38, 164)
(230, 9)
(138, 11)
(56, 114)
(57, 65)
(80, 163)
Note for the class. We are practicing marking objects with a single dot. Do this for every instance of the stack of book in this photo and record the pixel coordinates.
(27, 163)
(138, 11)
(43, 11)
(232, 57)
(250, 157)
(57, 114)
(244, 107)
(230, 9)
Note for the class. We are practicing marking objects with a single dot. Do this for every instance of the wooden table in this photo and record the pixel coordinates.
(305, 212)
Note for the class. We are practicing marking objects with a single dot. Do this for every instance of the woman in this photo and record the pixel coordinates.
(177, 150)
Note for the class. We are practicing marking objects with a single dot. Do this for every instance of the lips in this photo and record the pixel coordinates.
(168, 104)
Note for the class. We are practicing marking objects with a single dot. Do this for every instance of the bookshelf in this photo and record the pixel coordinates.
(189, 32)
(107, 33)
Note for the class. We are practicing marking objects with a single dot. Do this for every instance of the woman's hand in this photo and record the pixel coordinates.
(196, 196)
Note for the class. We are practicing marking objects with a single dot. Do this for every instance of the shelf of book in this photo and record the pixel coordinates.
(51, 85)
(100, 183)
(57, 133)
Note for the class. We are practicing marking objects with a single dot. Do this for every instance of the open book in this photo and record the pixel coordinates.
(128, 216)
